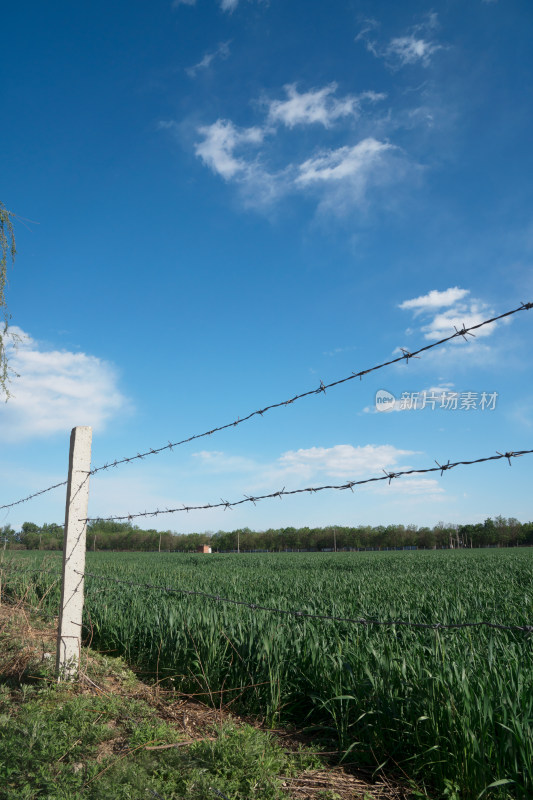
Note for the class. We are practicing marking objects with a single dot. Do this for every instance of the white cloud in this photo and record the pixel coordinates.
(364, 35)
(316, 106)
(167, 125)
(415, 46)
(344, 162)
(220, 142)
(222, 51)
(57, 390)
(342, 461)
(209, 476)
(443, 324)
(225, 5)
(409, 50)
(347, 177)
(341, 177)
(439, 323)
(435, 299)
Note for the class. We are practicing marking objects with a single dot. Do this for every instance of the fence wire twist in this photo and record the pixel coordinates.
(406, 355)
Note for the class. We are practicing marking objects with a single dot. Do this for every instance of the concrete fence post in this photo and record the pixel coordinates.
(71, 608)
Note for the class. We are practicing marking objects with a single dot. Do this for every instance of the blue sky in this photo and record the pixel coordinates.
(224, 202)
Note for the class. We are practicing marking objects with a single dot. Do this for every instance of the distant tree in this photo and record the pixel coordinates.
(527, 533)
(515, 532)
(7, 536)
(7, 250)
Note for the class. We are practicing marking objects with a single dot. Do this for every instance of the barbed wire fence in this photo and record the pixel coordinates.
(73, 573)
(387, 476)
(321, 389)
(228, 504)
(295, 613)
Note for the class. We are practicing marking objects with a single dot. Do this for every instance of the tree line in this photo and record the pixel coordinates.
(106, 535)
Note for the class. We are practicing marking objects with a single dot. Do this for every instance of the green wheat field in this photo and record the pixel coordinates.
(450, 709)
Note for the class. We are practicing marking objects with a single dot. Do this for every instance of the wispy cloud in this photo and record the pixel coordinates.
(57, 390)
(467, 314)
(434, 299)
(341, 461)
(337, 350)
(341, 176)
(221, 140)
(314, 465)
(225, 5)
(416, 46)
(367, 34)
(342, 163)
(460, 309)
(434, 322)
(410, 49)
(222, 52)
(216, 461)
(317, 106)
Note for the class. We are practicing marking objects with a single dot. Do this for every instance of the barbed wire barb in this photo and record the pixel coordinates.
(464, 332)
(443, 467)
(508, 456)
(407, 355)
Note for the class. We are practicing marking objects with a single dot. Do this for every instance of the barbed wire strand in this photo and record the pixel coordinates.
(406, 355)
(218, 793)
(35, 494)
(364, 621)
(49, 489)
(306, 614)
(387, 476)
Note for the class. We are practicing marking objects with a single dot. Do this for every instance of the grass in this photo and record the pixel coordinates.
(105, 736)
(55, 746)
